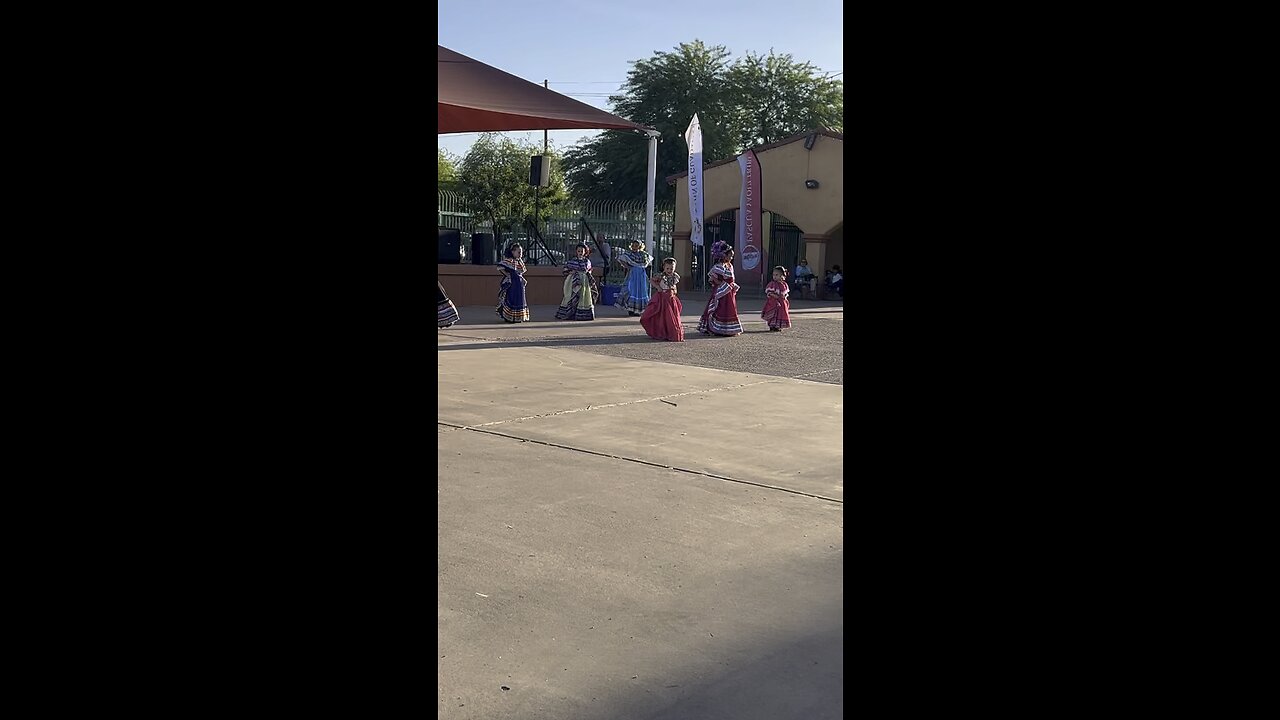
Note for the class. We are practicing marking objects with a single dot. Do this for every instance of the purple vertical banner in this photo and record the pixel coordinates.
(750, 243)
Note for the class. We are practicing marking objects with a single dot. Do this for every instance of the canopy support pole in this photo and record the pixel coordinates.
(649, 190)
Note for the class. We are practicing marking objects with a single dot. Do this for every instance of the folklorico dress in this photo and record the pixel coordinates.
(512, 306)
(661, 318)
(721, 314)
(446, 313)
(578, 303)
(635, 292)
(777, 308)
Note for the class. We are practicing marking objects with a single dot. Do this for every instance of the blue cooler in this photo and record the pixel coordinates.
(610, 294)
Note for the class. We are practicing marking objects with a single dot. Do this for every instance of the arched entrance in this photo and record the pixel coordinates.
(785, 247)
(835, 246)
(786, 242)
(720, 226)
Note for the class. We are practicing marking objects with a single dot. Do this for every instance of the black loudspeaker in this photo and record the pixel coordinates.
(540, 170)
(483, 251)
(450, 246)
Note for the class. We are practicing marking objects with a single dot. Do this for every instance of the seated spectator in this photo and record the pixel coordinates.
(835, 280)
(803, 278)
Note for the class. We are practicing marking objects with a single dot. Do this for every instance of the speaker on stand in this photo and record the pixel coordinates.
(540, 170)
(483, 251)
(450, 246)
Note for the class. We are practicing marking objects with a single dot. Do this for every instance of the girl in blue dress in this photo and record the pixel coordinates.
(635, 293)
(512, 305)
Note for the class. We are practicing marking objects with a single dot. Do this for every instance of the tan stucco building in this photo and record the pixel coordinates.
(785, 166)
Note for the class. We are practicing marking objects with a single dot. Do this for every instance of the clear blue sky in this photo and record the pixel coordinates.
(585, 47)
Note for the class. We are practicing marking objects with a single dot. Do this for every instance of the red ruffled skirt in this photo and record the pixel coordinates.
(777, 313)
(661, 317)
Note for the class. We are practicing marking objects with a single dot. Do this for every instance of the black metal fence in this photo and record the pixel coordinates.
(786, 244)
(614, 223)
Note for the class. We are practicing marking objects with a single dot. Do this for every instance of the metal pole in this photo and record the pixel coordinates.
(652, 177)
(538, 190)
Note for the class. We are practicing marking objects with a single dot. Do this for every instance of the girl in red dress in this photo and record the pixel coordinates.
(777, 308)
(661, 317)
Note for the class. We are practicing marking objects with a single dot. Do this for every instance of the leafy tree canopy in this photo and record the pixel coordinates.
(494, 181)
(446, 166)
(752, 101)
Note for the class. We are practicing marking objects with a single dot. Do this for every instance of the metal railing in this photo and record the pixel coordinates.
(562, 228)
(613, 222)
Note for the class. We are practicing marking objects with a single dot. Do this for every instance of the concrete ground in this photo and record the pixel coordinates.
(636, 529)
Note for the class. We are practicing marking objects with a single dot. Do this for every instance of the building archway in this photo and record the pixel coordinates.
(835, 247)
(785, 245)
(721, 225)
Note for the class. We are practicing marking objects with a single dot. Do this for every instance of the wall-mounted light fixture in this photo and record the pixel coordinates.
(810, 141)
(811, 184)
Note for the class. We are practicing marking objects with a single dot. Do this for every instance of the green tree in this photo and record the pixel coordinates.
(494, 182)
(663, 92)
(755, 100)
(446, 166)
(776, 97)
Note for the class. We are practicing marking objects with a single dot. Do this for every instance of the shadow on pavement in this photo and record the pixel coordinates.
(544, 341)
(797, 674)
(550, 342)
(802, 680)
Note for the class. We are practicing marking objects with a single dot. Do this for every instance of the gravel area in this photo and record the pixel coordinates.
(812, 349)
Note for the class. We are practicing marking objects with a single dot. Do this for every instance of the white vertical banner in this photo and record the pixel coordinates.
(693, 136)
(651, 175)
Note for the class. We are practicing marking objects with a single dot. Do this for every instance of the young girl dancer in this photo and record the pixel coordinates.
(512, 305)
(777, 308)
(578, 303)
(661, 317)
(721, 314)
(634, 295)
